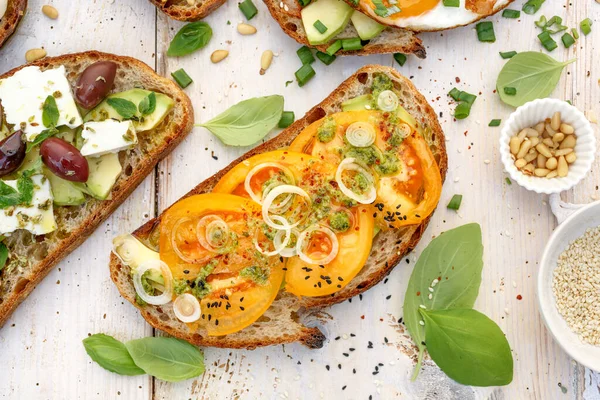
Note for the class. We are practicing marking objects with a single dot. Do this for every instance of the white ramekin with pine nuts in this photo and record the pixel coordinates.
(547, 146)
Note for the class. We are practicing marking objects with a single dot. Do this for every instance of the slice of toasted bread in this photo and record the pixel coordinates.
(184, 10)
(12, 17)
(391, 40)
(31, 257)
(282, 322)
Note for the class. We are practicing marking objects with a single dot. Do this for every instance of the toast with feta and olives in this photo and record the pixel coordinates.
(80, 131)
(334, 27)
(11, 13)
(287, 318)
(187, 10)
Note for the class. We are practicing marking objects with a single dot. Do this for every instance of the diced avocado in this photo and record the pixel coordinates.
(65, 193)
(366, 27)
(131, 251)
(103, 111)
(334, 14)
(358, 103)
(104, 172)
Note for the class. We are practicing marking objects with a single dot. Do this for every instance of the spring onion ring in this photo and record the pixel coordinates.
(278, 247)
(387, 101)
(174, 241)
(286, 251)
(268, 201)
(360, 134)
(351, 164)
(160, 266)
(259, 198)
(187, 308)
(335, 246)
(212, 225)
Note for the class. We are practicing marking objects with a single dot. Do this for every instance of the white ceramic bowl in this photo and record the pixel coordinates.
(529, 115)
(572, 228)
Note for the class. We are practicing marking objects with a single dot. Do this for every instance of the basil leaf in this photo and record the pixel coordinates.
(50, 112)
(125, 108)
(111, 354)
(25, 186)
(3, 255)
(453, 261)
(469, 347)
(43, 135)
(190, 38)
(167, 358)
(533, 74)
(248, 121)
(8, 196)
(148, 104)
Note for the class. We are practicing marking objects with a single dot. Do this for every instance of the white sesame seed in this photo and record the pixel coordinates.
(344, 336)
(286, 8)
(430, 296)
(456, 179)
(431, 289)
(506, 311)
(486, 161)
(422, 306)
(421, 323)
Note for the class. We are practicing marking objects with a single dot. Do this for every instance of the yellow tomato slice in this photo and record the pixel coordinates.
(406, 195)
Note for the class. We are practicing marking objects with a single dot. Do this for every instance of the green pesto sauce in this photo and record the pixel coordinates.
(200, 287)
(388, 164)
(366, 155)
(339, 221)
(256, 273)
(381, 82)
(326, 132)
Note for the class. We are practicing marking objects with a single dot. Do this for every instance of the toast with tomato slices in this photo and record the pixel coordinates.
(283, 322)
(31, 257)
(187, 10)
(13, 15)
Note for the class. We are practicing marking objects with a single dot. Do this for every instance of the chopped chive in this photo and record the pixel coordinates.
(508, 54)
(462, 111)
(508, 13)
(320, 26)
(451, 3)
(351, 44)
(532, 6)
(567, 40)
(542, 22)
(325, 58)
(459, 95)
(586, 26)
(495, 122)
(287, 118)
(454, 93)
(511, 91)
(304, 74)
(248, 8)
(305, 54)
(334, 48)
(380, 8)
(304, 3)
(547, 41)
(508, 181)
(569, 102)
(182, 78)
(575, 33)
(455, 202)
(485, 31)
(400, 58)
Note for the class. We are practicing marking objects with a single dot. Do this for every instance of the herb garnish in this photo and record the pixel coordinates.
(123, 107)
(50, 113)
(190, 38)
(23, 194)
(148, 104)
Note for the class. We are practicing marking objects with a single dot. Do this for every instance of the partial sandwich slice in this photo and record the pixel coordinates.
(326, 24)
(79, 208)
(187, 10)
(10, 17)
(289, 316)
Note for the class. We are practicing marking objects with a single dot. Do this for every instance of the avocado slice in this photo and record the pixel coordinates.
(358, 103)
(103, 111)
(65, 193)
(104, 172)
(334, 14)
(366, 27)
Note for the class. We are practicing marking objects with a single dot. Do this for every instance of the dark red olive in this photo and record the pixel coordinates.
(64, 160)
(12, 153)
(94, 83)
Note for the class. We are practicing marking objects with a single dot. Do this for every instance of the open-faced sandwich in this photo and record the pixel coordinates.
(11, 12)
(318, 214)
(79, 133)
(187, 10)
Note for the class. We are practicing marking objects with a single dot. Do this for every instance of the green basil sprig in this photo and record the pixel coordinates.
(148, 104)
(190, 38)
(534, 75)
(123, 107)
(165, 358)
(248, 121)
(50, 113)
(23, 194)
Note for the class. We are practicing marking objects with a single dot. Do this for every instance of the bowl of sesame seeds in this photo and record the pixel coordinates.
(569, 285)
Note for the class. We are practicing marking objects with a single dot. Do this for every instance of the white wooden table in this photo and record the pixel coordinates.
(41, 355)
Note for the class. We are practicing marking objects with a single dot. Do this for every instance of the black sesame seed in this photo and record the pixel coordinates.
(327, 367)
(388, 297)
(346, 354)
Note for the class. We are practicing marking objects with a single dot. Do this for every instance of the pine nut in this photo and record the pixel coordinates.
(529, 168)
(540, 127)
(541, 161)
(520, 163)
(563, 167)
(550, 130)
(552, 174)
(548, 142)
(523, 134)
(531, 132)
(218, 56)
(559, 137)
(563, 152)
(555, 121)
(541, 172)
(525, 146)
(246, 29)
(515, 144)
(50, 11)
(571, 157)
(35, 54)
(543, 149)
(566, 129)
(265, 61)
(532, 155)
(534, 141)
(569, 142)
(551, 163)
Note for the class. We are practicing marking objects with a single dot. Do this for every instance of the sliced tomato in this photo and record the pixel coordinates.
(405, 196)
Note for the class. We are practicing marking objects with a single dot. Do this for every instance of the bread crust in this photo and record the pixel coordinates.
(182, 11)
(124, 186)
(14, 13)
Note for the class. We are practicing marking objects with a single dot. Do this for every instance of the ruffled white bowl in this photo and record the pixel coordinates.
(528, 115)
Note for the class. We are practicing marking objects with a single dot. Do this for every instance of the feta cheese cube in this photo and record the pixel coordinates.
(108, 136)
(38, 217)
(24, 93)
